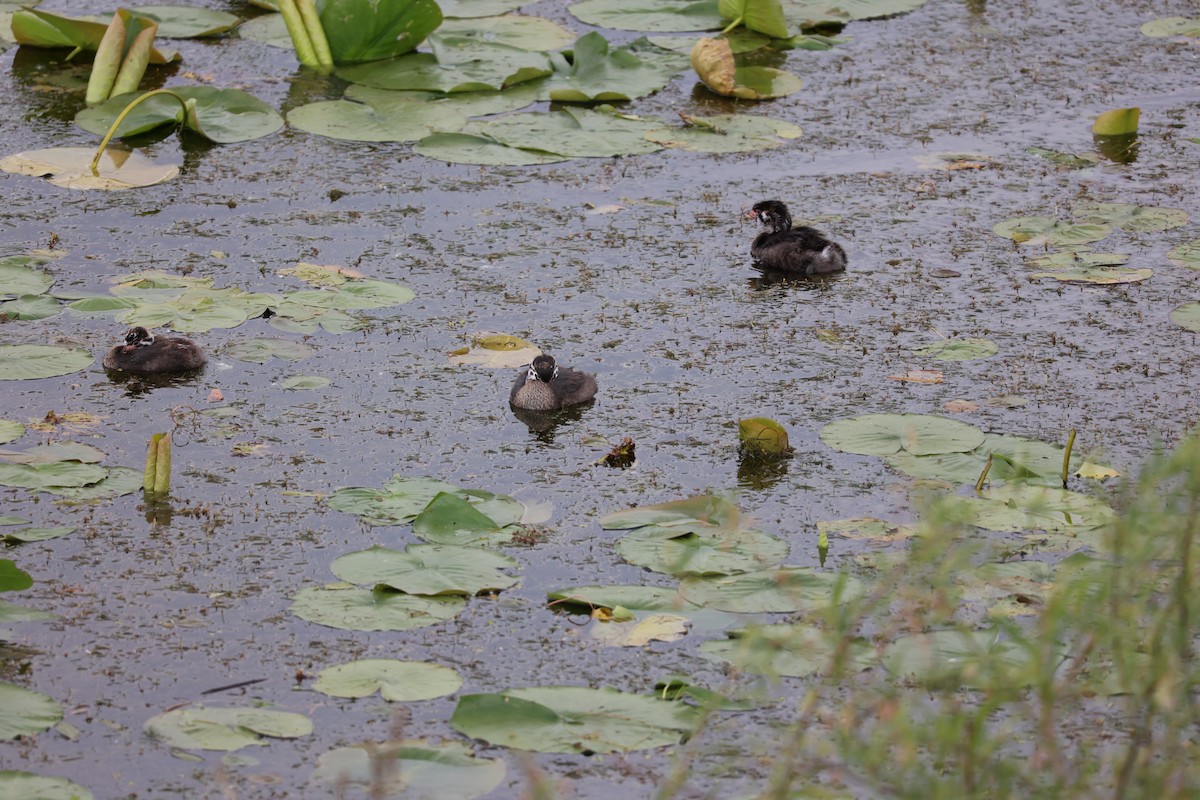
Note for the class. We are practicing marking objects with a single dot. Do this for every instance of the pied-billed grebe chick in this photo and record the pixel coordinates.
(545, 386)
(147, 354)
(782, 248)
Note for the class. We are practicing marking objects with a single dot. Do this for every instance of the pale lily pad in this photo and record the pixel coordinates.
(589, 599)
(305, 382)
(260, 351)
(10, 430)
(24, 712)
(786, 589)
(429, 569)
(795, 651)
(958, 349)
(1186, 254)
(21, 362)
(1072, 160)
(119, 481)
(1187, 316)
(457, 64)
(35, 534)
(19, 276)
(703, 514)
(225, 729)
(70, 167)
(220, 115)
(10, 612)
(396, 681)
(1133, 218)
(726, 133)
(402, 117)
(1015, 458)
(479, 8)
(514, 30)
(53, 474)
(1172, 26)
(868, 529)
(30, 307)
(1047, 230)
(675, 552)
(1099, 275)
(29, 786)
(639, 633)
(412, 769)
(459, 148)
(1019, 507)
(1074, 259)
(182, 22)
(596, 73)
(574, 719)
(884, 434)
(573, 132)
(979, 659)
(649, 15)
(58, 451)
(500, 350)
(353, 609)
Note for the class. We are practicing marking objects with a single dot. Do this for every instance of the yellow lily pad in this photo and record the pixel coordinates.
(70, 167)
(499, 350)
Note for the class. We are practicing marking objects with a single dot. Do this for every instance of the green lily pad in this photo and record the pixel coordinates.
(354, 609)
(52, 474)
(269, 29)
(587, 599)
(10, 430)
(1133, 218)
(574, 132)
(454, 519)
(400, 117)
(225, 729)
(182, 22)
(411, 769)
(42, 29)
(19, 276)
(712, 59)
(35, 534)
(795, 651)
(30, 786)
(461, 148)
(1072, 160)
(763, 16)
(676, 552)
(10, 612)
(514, 30)
(457, 64)
(1187, 316)
(1099, 275)
(22, 362)
(704, 514)
(396, 681)
(1075, 259)
(1019, 507)
(305, 382)
(30, 307)
(595, 73)
(726, 133)
(1015, 459)
(220, 115)
(958, 349)
(260, 351)
(979, 659)
(13, 579)
(1047, 230)
(1186, 254)
(467, 104)
(428, 569)
(119, 481)
(478, 8)
(574, 719)
(1172, 26)
(884, 434)
(373, 30)
(786, 589)
(649, 15)
(399, 501)
(24, 712)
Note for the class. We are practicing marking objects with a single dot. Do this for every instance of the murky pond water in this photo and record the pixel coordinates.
(658, 298)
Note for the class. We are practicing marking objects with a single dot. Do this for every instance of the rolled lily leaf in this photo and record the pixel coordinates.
(1117, 122)
(713, 61)
(40, 29)
(122, 56)
(763, 436)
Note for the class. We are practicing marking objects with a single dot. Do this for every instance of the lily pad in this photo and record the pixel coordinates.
(1047, 230)
(1172, 26)
(13, 579)
(30, 307)
(795, 651)
(35, 534)
(24, 712)
(786, 589)
(573, 132)
(412, 769)
(501, 350)
(704, 514)
(597, 74)
(458, 519)
(399, 501)
(712, 59)
(958, 349)
(372, 30)
(1019, 507)
(305, 382)
(478, 8)
(1133, 218)
(514, 30)
(726, 133)
(1186, 254)
(1187, 316)
(641, 632)
(22, 362)
(353, 609)
(396, 681)
(19, 276)
(225, 729)
(1099, 275)
(43, 29)
(260, 351)
(1015, 458)
(587, 599)
(400, 117)
(574, 719)
(649, 15)
(675, 552)
(763, 16)
(220, 115)
(52, 474)
(457, 64)
(884, 434)
(119, 481)
(70, 167)
(16, 784)
(979, 659)
(429, 569)
(460, 148)
(183, 22)
(10, 430)
(1074, 259)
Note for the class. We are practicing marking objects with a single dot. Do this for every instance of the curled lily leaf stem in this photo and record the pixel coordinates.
(121, 118)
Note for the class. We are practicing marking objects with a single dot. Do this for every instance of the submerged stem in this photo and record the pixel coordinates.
(121, 118)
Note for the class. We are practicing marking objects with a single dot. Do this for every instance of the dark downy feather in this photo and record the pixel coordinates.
(783, 248)
(544, 386)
